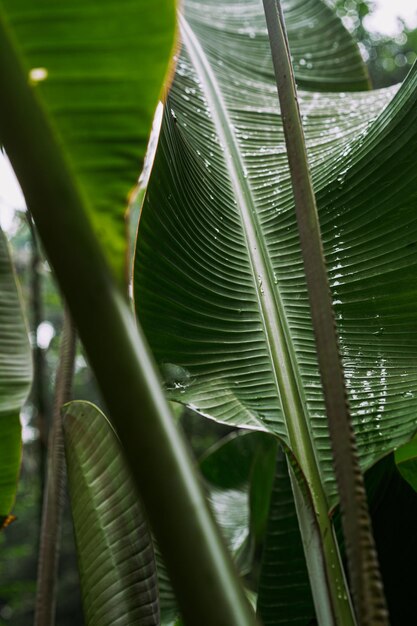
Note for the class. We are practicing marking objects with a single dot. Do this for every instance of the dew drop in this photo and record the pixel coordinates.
(38, 74)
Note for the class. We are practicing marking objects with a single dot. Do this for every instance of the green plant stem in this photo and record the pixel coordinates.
(363, 567)
(203, 576)
(55, 481)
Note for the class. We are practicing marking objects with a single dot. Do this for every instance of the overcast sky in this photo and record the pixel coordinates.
(384, 20)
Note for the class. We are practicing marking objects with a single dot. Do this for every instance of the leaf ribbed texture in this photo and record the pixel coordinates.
(115, 553)
(219, 283)
(324, 54)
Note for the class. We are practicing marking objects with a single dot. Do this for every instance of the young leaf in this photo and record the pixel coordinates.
(115, 551)
(219, 282)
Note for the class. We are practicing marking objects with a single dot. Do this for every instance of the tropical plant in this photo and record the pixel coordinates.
(222, 297)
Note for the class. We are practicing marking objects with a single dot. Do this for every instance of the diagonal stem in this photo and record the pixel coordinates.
(203, 575)
(363, 566)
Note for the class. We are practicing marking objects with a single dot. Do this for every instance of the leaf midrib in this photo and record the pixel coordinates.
(278, 339)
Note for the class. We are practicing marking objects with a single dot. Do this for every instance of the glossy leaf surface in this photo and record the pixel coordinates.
(324, 54)
(97, 70)
(15, 378)
(219, 281)
(115, 552)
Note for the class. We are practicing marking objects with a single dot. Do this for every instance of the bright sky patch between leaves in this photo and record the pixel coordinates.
(384, 18)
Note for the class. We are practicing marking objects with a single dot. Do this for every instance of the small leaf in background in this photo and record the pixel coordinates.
(15, 379)
(393, 506)
(261, 484)
(406, 460)
(219, 282)
(227, 468)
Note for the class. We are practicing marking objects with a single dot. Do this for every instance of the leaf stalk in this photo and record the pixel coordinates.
(363, 566)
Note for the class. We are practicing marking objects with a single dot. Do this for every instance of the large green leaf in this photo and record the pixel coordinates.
(15, 378)
(97, 70)
(220, 289)
(115, 553)
(61, 207)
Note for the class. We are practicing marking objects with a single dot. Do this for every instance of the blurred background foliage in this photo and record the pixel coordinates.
(388, 59)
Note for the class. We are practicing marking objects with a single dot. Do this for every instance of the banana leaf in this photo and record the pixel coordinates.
(219, 281)
(219, 284)
(15, 379)
(325, 56)
(96, 69)
(114, 546)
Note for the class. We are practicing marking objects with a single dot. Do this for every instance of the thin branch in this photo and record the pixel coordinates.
(365, 578)
(55, 482)
(39, 391)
